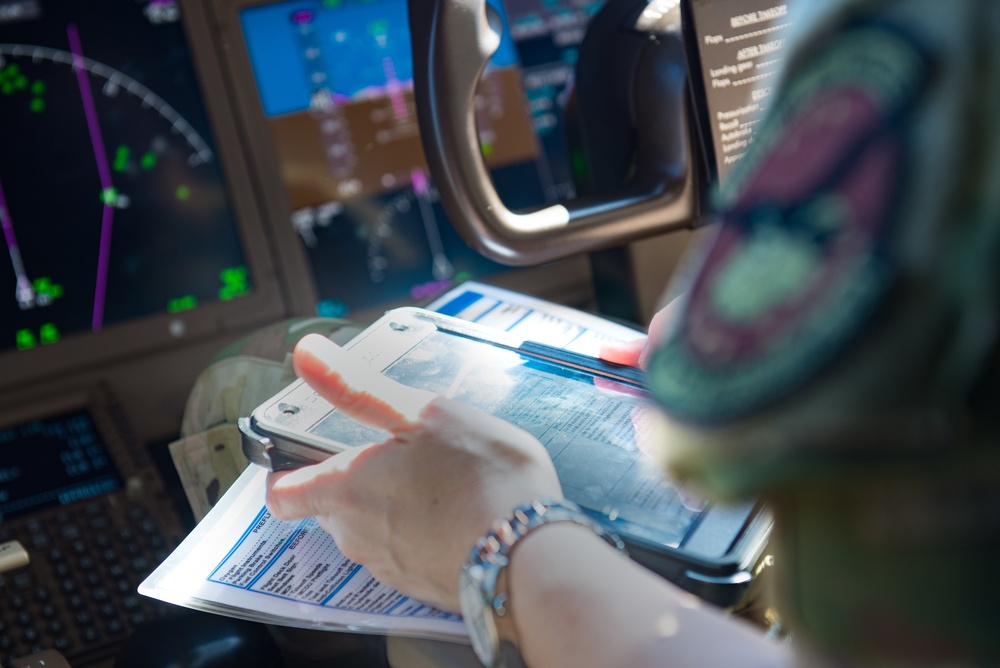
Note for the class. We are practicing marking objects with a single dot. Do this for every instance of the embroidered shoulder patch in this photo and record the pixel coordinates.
(800, 261)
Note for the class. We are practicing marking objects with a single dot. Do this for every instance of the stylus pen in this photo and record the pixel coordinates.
(620, 372)
(591, 365)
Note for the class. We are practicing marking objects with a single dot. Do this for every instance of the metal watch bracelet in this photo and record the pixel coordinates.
(491, 554)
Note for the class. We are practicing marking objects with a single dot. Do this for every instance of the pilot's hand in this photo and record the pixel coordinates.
(636, 352)
(411, 507)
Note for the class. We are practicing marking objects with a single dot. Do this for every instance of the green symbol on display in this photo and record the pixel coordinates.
(25, 339)
(235, 283)
(148, 161)
(185, 303)
(121, 158)
(10, 77)
(45, 287)
(48, 334)
(109, 196)
(13, 81)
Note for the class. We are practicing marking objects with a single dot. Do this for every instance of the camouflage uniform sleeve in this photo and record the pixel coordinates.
(836, 352)
(761, 373)
(208, 455)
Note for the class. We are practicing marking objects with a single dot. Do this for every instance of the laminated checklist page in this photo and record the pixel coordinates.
(241, 562)
(531, 319)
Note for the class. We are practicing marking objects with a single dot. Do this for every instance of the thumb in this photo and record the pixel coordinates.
(346, 381)
(306, 492)
(626, 352)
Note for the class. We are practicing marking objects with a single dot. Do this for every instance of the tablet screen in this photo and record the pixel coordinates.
(588, 426)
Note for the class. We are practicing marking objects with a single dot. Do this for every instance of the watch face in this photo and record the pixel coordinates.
(477, 614)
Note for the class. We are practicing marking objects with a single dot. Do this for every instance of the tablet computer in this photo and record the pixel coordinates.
(586, 412)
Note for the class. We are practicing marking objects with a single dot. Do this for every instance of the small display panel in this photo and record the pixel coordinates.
(51, 461)
(112, 202)
(740, 44)
(335, 80)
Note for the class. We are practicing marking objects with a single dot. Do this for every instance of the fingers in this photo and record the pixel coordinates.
(636, 353)
(305, 492)
(627, 353)
(284, 499)
(664, 319)
(348, 383)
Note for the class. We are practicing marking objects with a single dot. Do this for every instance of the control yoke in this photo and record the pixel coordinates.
(452, 43)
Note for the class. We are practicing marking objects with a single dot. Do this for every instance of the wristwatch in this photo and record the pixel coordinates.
(483, 607)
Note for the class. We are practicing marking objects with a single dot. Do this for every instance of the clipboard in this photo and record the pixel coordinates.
(587, 413)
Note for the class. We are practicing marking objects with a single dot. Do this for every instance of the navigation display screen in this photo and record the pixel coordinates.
(112, 201)
(335, 82)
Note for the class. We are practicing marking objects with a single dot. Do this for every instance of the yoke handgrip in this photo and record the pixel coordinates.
(452, 42)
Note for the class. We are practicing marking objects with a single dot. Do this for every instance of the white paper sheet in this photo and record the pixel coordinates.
(531, 319)
(240, 561)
